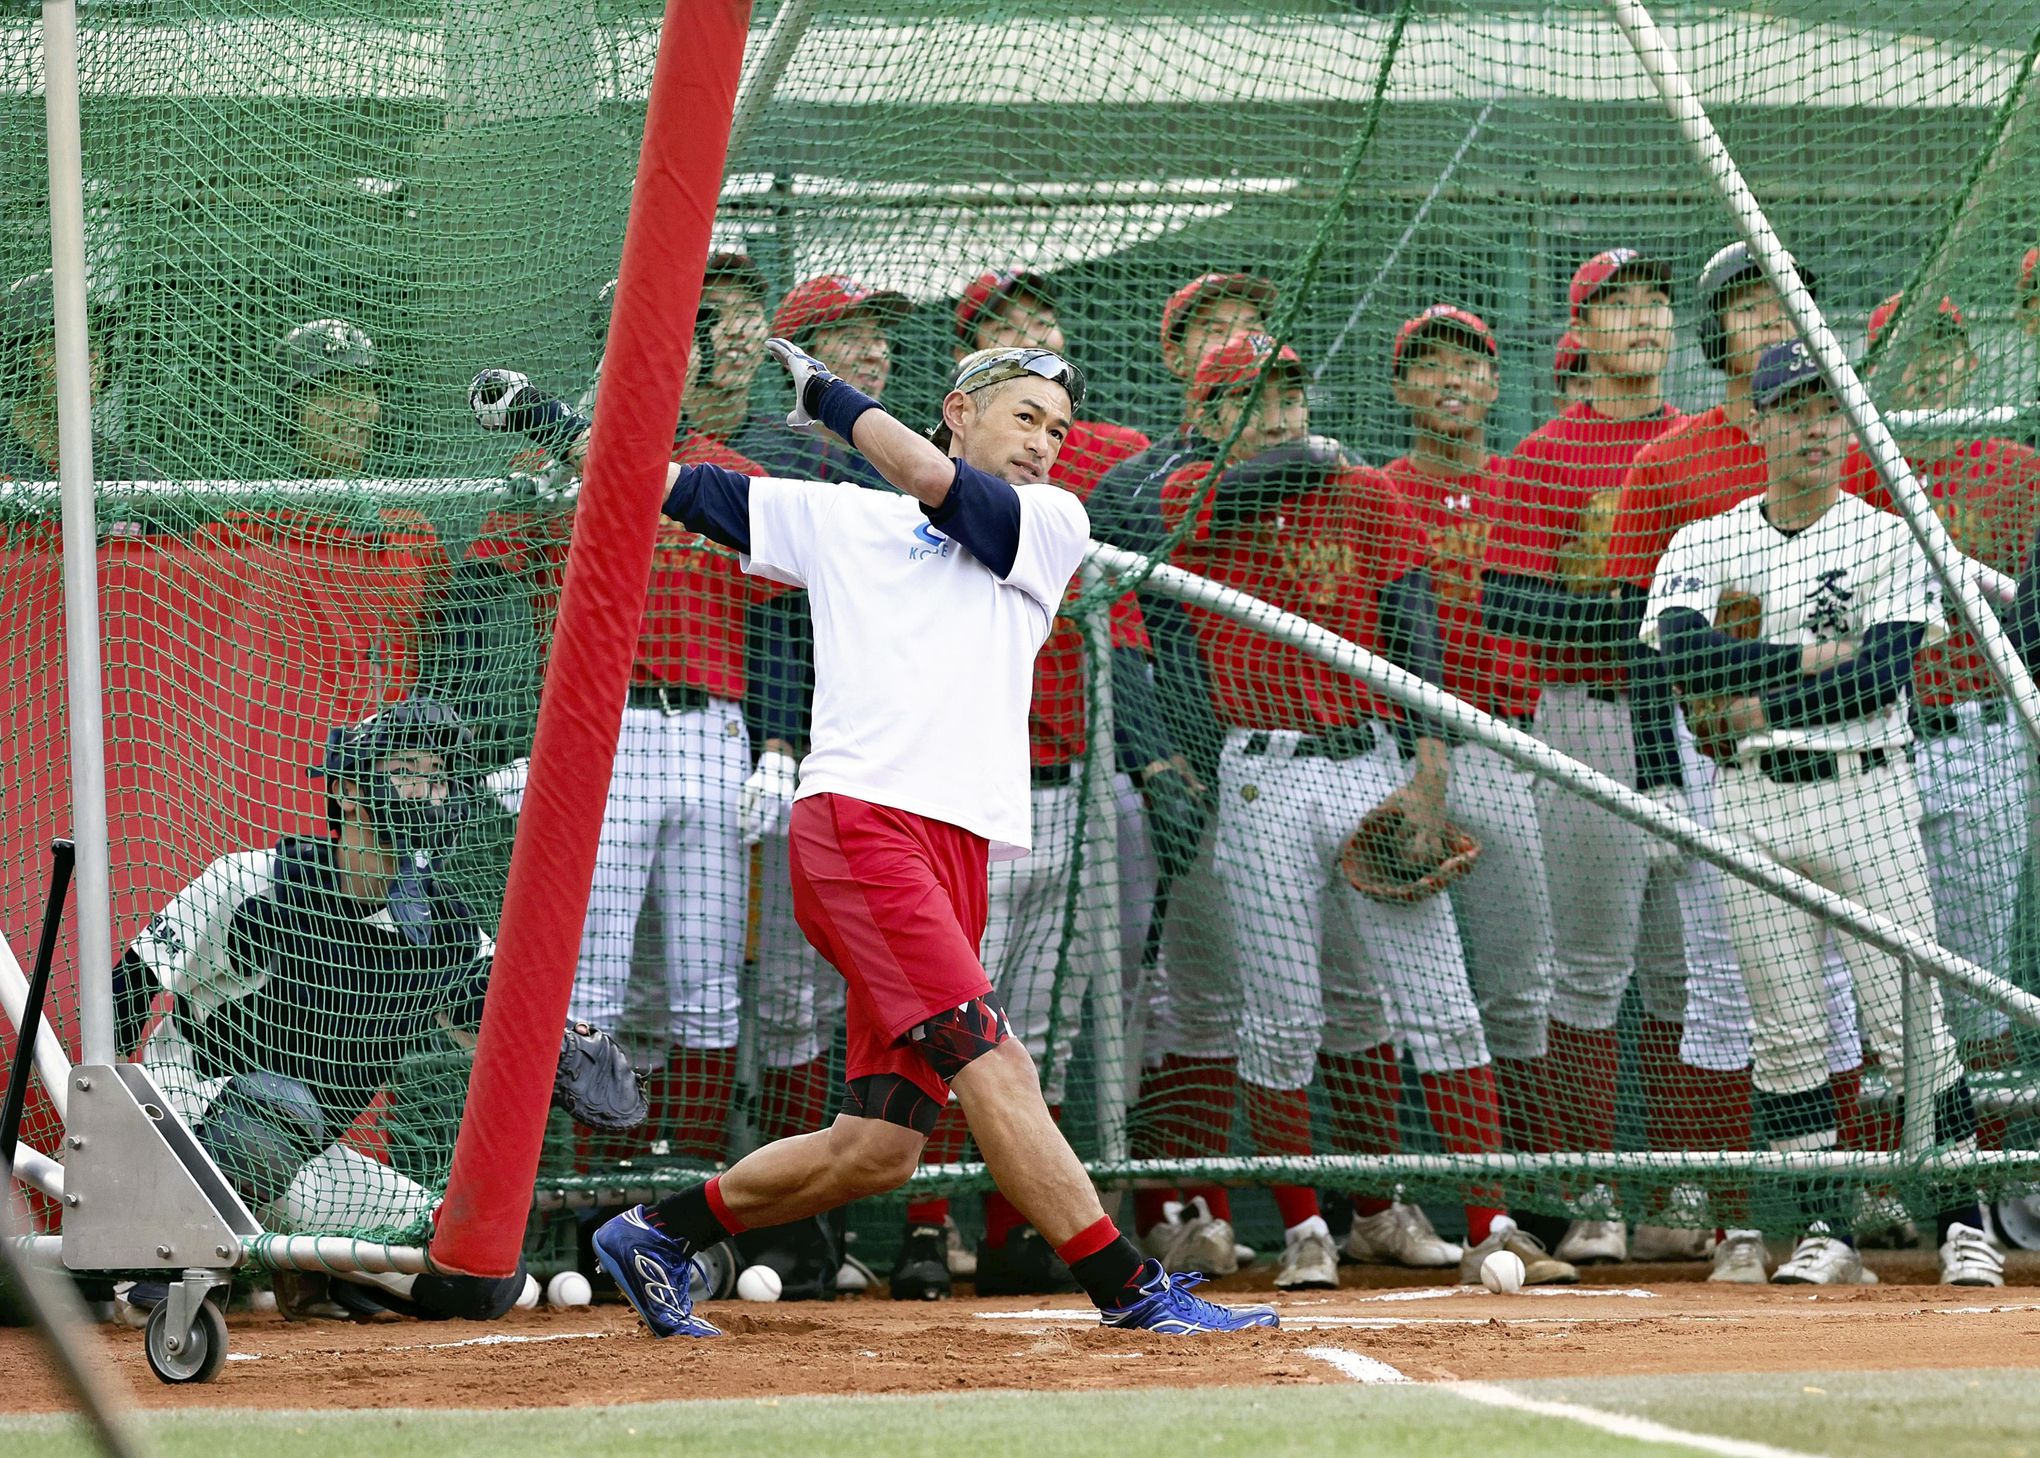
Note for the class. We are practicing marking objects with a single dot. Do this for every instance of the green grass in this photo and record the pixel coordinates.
(1905, 1415)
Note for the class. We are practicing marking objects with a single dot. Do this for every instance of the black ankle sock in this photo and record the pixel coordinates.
(688, 1219)
(1970, 1215)
(1107, 1275)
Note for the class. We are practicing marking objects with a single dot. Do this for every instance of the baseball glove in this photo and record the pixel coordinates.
(596, 1083)
(1740, 615)
(1583, 561)
(1376, 860)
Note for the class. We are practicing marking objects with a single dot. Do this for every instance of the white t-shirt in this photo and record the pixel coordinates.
(924, 661)
(1828, 583)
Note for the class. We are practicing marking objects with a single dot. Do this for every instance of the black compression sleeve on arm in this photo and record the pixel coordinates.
(714, 501)
(1706, 661)
(1137, 723)
(1409, 639)
(1653, 722)
(1874, 678)
(1538, 611)
(983, 513)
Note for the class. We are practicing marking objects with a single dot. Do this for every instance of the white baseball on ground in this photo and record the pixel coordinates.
(568, 1288)
(1502, 1272)
(758, 1283)
(528, 1297)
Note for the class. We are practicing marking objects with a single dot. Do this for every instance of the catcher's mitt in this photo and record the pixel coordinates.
(1376, 860)
(596, 1083)
(1740, 615)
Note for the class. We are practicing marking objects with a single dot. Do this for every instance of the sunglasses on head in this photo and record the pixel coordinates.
(1011, 364)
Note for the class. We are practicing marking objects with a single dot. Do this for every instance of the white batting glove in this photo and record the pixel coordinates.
(767, 805)
(1658, 852)
(507, 784)
(809, 376)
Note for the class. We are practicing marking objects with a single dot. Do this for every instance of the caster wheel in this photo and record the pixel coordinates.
(195, 1355)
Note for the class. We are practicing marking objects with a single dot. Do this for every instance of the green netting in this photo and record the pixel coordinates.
(329, 531)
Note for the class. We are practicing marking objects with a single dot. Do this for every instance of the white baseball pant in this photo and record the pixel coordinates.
(1719, 1024)
(1026, 913)
(1858, 835)
(1974, 786)
(671, 829)
(1613, 915)
(1322, 966)
(1502, 906)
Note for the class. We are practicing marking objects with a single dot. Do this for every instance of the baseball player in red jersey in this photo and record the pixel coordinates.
(1570, 383)
(1700, 468)
(1970, 759)
(929, 608)
(670, 829)
(1544, 584)
(1328, 981)
(1443, 366)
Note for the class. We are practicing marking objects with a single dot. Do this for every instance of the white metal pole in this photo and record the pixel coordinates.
(1916, 1041)
(38, 1171)
(81, 534)
(1098, 899)
(1411, 692)
(1912, 502)
(755, 89)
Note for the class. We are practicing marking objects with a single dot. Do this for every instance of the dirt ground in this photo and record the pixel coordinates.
(1634, 1319)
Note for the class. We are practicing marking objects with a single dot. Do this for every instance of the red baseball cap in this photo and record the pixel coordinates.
(1237, 361)
(1440, 319)
(991, 291)
(1176, 313)
(833, 296)
(2027, 269)
(1566, 359)
(1882, 314)
(1613, 266)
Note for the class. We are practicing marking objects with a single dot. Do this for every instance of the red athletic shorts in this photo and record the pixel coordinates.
(897, 903)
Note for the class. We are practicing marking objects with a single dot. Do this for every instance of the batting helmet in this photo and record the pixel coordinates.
(1731, 268)
(322, 347)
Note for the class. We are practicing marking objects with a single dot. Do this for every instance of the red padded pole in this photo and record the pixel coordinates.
(480, 1226)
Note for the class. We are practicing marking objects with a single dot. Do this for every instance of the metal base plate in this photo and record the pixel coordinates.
(139, 1194)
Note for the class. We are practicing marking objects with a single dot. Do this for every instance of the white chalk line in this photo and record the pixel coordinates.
(1621, 1425)
(1375, 1373)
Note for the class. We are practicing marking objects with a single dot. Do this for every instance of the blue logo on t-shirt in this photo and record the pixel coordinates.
(933, 544)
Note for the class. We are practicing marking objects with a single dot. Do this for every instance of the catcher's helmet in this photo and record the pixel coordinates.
(353, 752)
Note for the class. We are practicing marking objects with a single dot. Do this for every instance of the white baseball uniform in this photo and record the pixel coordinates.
(1856, 829)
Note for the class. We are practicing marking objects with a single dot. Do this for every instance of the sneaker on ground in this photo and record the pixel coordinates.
(1165, 1304)
(651, 1269)
(1026, 1265)
(1401, 1235)
(1539, 1267)
(307, 1296)
(1821, 1260)
(1969, 1259)
(1882, 1222)
(1310, 1262)
(960, 1258)
(1191, 1238)
(921, 1273)
(1739, 1259)
(1594, 1242)
(1670, 1243)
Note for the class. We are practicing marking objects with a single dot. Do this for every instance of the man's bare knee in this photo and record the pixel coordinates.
(872, 1156)
(1006, 1066)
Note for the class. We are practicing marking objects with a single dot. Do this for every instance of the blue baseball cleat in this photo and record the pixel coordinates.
(1166, 1305)
(652, 1270)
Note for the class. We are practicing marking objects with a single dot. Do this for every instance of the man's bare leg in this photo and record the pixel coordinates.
(1026, 1153)
(791, 1179)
